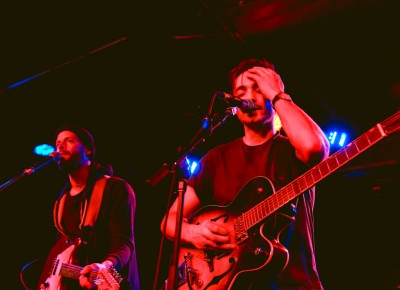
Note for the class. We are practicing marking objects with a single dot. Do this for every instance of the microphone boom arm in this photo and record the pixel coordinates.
(54, 156)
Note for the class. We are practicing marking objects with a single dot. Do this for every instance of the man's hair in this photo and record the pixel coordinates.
(88, 141)
(84, 136)
(247, 64)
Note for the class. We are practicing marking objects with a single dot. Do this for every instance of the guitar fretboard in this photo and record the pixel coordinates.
(70, 271)
(305, 181)
(73, 271)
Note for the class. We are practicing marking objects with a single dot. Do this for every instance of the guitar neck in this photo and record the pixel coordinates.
(326, 167)
(70, 271)
(305, 181)
(73, 271)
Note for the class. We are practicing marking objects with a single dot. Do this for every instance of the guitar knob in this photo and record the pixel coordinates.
(258, 251)
(199, 282)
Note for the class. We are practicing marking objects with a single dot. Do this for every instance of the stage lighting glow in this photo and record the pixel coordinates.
(190, 166)
(43, 149)
(277, 122)
(342, 139)
(332, 137)
(337, 139)
(193, 167)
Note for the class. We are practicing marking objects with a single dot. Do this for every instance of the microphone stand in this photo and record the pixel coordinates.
(26, 172)
(206, 130)
(11, 181)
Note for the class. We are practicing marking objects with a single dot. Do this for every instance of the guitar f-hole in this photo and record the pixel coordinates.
(224, 216)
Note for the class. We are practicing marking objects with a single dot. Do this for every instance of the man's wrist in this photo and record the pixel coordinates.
(280, 96)
(108, 263)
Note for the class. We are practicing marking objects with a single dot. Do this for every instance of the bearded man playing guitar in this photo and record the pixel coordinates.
(94, 216)
(224, 245)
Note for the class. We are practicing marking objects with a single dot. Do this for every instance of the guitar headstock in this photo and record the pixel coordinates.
(108, 279)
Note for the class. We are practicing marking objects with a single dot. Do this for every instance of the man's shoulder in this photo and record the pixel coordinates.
(117, 181)
(118, 186)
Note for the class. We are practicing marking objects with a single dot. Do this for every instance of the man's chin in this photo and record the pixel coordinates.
(67, 167)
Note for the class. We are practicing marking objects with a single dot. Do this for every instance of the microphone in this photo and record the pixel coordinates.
(245, 106)
(53, 156)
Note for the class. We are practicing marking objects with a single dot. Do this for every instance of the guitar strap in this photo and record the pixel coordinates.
(89, 212)
(95, 202)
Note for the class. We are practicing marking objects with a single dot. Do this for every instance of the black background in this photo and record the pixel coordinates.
(118, 70)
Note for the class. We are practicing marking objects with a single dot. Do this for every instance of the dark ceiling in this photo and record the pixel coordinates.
(141, 76)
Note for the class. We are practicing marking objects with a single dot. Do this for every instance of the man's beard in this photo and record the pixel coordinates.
(70, 165)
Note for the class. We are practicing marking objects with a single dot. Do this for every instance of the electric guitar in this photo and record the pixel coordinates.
(105, 279)
(256, 225)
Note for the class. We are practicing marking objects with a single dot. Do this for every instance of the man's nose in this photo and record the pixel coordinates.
(60, 145)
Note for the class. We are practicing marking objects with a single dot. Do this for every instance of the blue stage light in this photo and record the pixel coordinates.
(43, 149)
(337, 139)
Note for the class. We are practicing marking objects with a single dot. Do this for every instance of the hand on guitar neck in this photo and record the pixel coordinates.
(103, 277)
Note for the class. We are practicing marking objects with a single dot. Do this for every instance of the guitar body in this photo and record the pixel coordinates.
(63, 250)
(259, 250)
(53, 282)
(65, 265)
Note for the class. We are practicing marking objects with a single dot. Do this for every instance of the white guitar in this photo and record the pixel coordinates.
(105, 279)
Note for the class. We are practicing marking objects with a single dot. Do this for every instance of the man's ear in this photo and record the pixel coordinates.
(88, 152)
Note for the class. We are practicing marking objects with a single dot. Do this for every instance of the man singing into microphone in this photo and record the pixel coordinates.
(94, 216)
(278, 252)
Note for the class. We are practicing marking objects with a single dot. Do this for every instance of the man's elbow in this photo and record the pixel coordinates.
(162, 226)
(316, 153)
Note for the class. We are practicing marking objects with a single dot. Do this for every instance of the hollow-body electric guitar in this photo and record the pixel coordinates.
(256, 225)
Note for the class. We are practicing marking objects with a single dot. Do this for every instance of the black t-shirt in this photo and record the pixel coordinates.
(224, 175)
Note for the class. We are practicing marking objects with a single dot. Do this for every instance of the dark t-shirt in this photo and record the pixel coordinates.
(224, 174)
